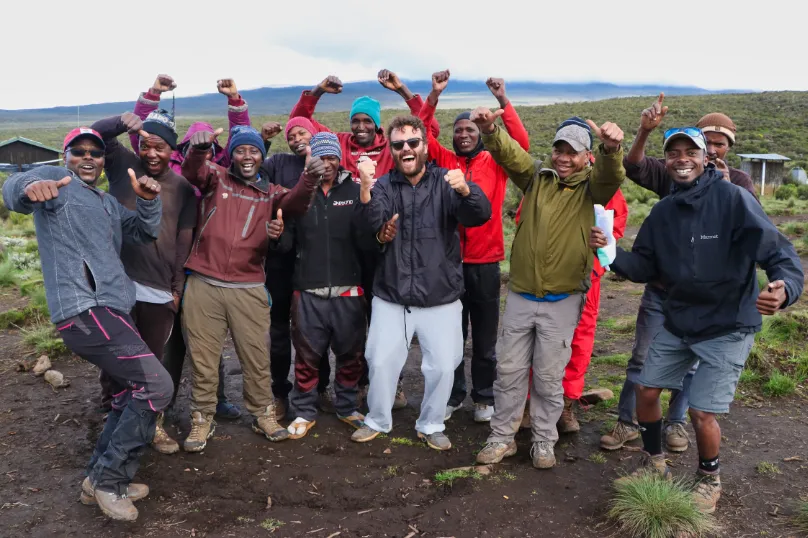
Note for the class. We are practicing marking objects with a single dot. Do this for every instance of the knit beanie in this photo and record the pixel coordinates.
(242, 135)
(324, 144)
(717, 122)
(299, 121)
(370, 106)
(160, 123)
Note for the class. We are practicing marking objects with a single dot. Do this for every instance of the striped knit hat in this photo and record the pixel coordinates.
(323, 144)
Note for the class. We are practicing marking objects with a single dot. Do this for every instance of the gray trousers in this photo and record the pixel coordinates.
(441, 339)
(537, 334)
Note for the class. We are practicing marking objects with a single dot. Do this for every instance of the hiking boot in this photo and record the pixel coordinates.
(117, 507)
(676, 438)
(364, 434)
(567, 423)
(496, 452)
(483, 412)
(225, 409)
(401, 399)
(525, 424)
(542, 454)
(437, 440)
(267, 425)
(655, 465)
(706, 492)
(281, 406)
(134, 492)
(621, 434)
(202, 428)
(594, 396)
(162, 442)
(450, 409)
(326, 403)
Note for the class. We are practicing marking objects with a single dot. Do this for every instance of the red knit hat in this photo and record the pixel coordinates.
(716, 122)
(299, 121)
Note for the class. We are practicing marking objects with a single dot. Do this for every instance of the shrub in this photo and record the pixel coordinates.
(802, 192)
(779, 385)
(785, 192)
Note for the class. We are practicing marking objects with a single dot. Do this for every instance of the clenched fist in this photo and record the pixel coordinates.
(457, 181)
(227, 87)
(163, 83)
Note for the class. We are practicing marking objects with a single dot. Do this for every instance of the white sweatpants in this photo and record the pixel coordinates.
(441, 339)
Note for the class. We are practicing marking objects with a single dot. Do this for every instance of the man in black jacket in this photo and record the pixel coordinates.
(702, 243)
(328, 304)
(419, 280)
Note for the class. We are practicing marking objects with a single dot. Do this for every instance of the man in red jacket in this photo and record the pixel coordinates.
(482, 247)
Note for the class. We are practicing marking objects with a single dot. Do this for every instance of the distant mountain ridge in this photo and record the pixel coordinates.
(269, 101)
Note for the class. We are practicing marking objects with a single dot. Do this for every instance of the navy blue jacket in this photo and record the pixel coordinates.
(702, 244)
(282, 169)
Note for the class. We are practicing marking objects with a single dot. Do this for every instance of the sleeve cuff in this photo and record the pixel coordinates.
(149, 98)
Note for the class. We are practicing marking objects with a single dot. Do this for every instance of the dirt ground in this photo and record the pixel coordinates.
(325, 486)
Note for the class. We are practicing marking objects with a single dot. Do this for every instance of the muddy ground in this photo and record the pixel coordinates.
(325, 486)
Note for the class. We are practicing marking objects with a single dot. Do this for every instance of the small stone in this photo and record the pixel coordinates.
(43, 364)
(56, 379)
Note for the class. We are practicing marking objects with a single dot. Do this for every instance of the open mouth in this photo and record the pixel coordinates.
(247, 167)
(465, 144)
(408, 159)
(300, 148)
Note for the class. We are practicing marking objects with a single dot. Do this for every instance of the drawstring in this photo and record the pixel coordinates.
(408, 342)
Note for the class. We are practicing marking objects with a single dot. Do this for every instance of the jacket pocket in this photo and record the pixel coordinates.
(202, 229)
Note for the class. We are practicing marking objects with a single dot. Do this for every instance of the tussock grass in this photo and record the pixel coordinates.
(8, 274)
(801, 516)
(447, 477)
(44, 339)
(779, 385)
(768, 468)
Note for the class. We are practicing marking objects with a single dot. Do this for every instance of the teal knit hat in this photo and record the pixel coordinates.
(370, 106)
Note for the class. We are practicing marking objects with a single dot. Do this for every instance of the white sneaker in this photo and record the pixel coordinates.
(483, 412)
(451, 409)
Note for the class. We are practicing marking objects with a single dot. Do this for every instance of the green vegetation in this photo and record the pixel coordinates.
(767, 468)
(801, 516)
(597, 457)
(779, 356)
(391, 471)
(272, 524)
(785, 192)
(779, 385)
(405, 441)
(447, 477)
(749, 377)
(44, 339)
(622, 325)
(619, 359)
(650, 507)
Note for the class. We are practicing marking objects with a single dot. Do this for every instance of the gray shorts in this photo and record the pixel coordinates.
(721, 361)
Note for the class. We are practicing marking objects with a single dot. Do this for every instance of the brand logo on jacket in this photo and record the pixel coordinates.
(343, 202)
(710, 236)
(224, 195)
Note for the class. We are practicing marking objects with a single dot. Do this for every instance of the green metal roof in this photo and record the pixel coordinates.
(29, 142)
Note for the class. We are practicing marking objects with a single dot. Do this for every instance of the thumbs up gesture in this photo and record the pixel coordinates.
(388, 231)
(314, 166)
(45, 189)
(484, 118)
(144, 186)
(609, 133)
(275, 228)
(205, 139)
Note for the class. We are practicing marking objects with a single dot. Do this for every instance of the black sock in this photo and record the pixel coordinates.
(709, 466)
(652, 437)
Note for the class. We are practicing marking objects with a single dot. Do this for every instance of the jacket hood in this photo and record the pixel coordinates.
(379, 143)
(688, 194)
(219, 153)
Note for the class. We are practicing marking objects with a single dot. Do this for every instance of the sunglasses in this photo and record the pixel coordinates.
(689, 131)
(413, 143)
(94, 153)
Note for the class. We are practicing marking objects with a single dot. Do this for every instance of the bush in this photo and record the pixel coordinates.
(802, 192)
(785, 192)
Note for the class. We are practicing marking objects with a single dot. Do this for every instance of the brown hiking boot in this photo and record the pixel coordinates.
(649, 465)
(326, 403)
(134, 492)
(676, 439)
(401, 399)
(281, 406)
(706, 492)
(117, 507)
(621, 434)
(496, 452)
(267, 425)
(162, 442)
(568, 423)
(202, 428)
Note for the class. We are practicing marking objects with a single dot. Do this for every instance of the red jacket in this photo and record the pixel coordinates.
(483, 244)
(620, 207)
(231, 236)
(379, 150)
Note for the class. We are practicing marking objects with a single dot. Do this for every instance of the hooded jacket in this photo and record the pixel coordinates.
(379, 150)
(702, 244)
(483, 244)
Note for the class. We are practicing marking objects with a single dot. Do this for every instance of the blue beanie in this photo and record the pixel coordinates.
(370, 106)
(323, 144)
(241, 135)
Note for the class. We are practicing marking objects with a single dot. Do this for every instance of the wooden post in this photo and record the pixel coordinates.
(763, 180)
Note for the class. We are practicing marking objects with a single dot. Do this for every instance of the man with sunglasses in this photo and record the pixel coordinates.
(551, 261)
(652, 174)
(80, 230)
(707, 264)
(419, 281)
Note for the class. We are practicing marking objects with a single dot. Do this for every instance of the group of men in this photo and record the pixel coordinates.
(356, 242)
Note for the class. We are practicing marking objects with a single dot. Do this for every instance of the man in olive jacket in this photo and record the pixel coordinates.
(550, 265)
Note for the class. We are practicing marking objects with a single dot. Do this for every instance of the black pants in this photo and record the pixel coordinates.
(317, 324)
(141, 389)
(481, 308)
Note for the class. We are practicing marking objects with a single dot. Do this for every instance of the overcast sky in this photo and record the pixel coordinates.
(68, 53)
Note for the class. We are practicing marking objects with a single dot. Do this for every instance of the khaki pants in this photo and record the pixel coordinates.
(208, 311)
(537, 334)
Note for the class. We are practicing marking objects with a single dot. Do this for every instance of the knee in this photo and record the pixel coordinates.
(162, 390)
(701, 419)
(646, 395)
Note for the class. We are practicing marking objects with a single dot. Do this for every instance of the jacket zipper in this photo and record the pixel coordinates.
(465, 236)
(199, 236)
(327, 241)
(412, 244)
(247, 224)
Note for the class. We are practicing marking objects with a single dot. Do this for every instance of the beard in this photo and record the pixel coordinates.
(411, 169)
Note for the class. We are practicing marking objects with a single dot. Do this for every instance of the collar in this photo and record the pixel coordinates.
(260, 183)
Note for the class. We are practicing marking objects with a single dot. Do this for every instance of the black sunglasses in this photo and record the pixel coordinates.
(94, 153)
(413, 143)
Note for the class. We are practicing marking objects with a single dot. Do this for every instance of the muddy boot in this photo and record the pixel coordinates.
(281, 406)
(134, 492)
(267, 425)
(622, 434)
(401, 399)
(117, 507)
(162, 442)
(655, 465)
(568, 423)
(542, 455)
(676, 439)
(437, 440)
(202, 428)
(706, 492)
(496, 452)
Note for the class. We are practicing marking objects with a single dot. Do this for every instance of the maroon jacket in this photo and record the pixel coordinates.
(231, 240)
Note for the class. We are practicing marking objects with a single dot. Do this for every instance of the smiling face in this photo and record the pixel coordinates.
(717, 145)
(331, 167)
(363, 129)
(466, 135)
(247, 158)
(409, 161)
(298, 139)
(684, 160)
(154, 155)
(79, 159)
(566, 161)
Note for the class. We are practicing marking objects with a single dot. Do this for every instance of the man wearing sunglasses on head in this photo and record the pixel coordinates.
(652, 174)
(702, 243)
(419, 281)
(80, 230)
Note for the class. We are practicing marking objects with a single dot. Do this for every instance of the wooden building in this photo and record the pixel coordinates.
(766, 169)
(19, 152)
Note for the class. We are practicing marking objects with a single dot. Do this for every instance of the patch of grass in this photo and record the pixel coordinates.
(801, 516)
(779, 385)
(8, 274)
(794, 228)
(402, 441)
(749, 377)
(597, 457)
(608, 426)
(648, 507)
(507, 475)
(767, 468)
(12, 317)
(391, 471)
(272, 524)
(622, 325)
(244, 519)
(447, 477)
(44, 339)
(618, 359)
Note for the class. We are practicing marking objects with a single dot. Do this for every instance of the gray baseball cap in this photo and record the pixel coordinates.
(575, 136)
